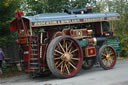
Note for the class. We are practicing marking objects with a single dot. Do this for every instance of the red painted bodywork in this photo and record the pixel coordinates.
(13, 25)
(89, 51)
(51, 32)
(58, 34)
(66, 31)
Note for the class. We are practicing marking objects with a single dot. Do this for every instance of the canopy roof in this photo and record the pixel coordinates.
(50, 19)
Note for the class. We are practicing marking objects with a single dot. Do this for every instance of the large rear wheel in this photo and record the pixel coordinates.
(64, 56)
(107, 57)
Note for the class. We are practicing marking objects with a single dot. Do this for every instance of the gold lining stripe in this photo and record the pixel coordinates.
(87, 51)
(72, 21)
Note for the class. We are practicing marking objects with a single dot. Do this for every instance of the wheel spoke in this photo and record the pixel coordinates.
(107, 57)
(67, 69)
(106, 62)
(62, 47)
(111, 58)
(70, 44)
(104, 54)
(70, 50)
(69, 66)
(111, 54)
(57, 58)
(106, 51)
(110, 61)
(66, 48)
(72, 65)
(64, 43)
(56, 62)
(59, 64)
(65, 56)
(59, 52)
(72, 62)
(110, 51)
(103, 57)
(58, 47)
(74, 50)
(62, 68)
(76, 59)
(56, 54)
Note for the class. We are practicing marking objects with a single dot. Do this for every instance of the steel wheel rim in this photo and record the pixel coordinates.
(67, 57)
(108, 57)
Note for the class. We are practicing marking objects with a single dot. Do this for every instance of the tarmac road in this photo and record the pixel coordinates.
(95, 76)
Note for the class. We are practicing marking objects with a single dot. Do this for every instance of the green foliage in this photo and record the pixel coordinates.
(7, 8)
(49, 6)
(30, 7)
(122, 33)
(120, 27)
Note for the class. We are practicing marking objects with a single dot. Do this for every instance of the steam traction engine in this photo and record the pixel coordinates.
(62, 43)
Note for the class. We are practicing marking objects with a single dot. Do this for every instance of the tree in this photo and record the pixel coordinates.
(7, 8)
(44, 6)
(121, 27)
(49, 6)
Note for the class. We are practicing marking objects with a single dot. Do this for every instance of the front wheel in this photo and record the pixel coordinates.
(107, 57)
(64, 56)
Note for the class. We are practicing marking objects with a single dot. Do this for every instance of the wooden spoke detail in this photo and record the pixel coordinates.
(70, 50)
(111, 53)
(78, 59)
(69, 66)
(62, 68)
(110, 61)
(64, 43)
(106, 50)
(72, 65)
(59, 52)
(72, 62)
(66, 47)
(62, 47)
(104, 54)
(70, 44)
(56, 54)
(59, 64)
(107, 57)
(74, 50)
(57, 58)
(58, 47)
(56, 62)
(66, 56)
(67, 69)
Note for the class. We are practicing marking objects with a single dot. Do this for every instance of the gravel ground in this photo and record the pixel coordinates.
(95, 76)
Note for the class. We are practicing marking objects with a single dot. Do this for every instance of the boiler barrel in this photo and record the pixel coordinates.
(100, 39)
